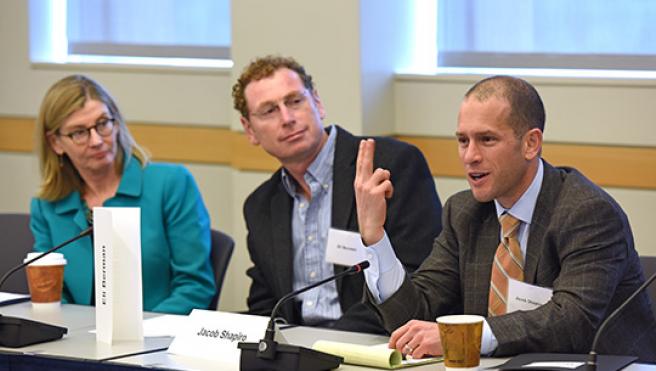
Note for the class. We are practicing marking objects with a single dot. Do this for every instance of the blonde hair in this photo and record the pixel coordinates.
(58, 175)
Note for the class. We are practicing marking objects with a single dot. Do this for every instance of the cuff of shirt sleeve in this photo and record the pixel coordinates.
(489, 342)
(383, 252)
(371, 276)
(387, 274)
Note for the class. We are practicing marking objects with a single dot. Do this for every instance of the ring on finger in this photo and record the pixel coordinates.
(407, 349)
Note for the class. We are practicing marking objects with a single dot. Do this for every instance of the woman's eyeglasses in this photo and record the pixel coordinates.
(104, 127)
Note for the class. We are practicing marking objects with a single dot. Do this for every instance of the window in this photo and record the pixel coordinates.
(582, 34)
(111, 30)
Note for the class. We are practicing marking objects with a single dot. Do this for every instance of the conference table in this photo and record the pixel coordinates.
(78, 349)
(79, 344)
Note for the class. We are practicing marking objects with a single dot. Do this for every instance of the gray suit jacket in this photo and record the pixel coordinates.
(580, 244)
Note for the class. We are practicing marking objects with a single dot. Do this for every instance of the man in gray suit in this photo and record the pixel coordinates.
(573, 237)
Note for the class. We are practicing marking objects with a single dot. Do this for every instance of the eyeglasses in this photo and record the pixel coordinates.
(104, 127)
(271, 111)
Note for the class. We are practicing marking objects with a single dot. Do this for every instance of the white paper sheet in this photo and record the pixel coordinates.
(165, 325)
(523, 296)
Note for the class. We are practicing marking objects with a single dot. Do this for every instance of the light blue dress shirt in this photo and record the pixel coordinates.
(386, 274)
(311, 220)
(175, 237)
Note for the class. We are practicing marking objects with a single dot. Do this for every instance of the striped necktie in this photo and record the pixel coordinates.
(508, 263)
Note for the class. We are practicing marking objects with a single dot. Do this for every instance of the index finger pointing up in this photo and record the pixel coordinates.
(365, 161)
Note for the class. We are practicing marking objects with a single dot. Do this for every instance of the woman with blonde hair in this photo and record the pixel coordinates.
(88, 159)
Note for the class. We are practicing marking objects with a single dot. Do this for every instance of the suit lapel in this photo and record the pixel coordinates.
(486, 237)
(282, 248)
(541, 217)
(343, 203)
(80, 286)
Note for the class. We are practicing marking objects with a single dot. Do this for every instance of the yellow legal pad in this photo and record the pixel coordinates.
(370, 355)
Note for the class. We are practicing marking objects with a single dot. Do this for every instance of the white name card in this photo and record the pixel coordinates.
(215, 335)
(344, 247)
(117, 252)
(523, 296)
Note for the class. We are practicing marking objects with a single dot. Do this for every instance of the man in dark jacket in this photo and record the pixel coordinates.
(288, 217)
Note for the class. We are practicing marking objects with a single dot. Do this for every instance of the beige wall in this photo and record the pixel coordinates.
(353, 68)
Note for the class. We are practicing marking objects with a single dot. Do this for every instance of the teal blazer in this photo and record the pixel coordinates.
(175, 237)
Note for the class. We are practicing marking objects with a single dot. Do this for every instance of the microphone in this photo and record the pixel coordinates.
(18, 332)
(269, 355)
(591, 363)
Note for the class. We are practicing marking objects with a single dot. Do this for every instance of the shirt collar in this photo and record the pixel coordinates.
(130, 185)
(69, 203)
(320, 170)
(132, 178)
(524, 207)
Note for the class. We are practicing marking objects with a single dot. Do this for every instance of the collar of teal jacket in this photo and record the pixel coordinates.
(130, 186)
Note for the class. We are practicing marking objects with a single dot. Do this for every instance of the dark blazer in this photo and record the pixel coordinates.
(413, 222)
(580, 244)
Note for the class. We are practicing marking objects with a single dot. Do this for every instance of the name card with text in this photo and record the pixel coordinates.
(117, 258)
(344, 247)
(214, 335)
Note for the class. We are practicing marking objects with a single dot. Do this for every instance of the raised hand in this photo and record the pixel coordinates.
(372, 188)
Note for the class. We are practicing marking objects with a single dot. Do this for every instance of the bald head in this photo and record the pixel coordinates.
(526, 108)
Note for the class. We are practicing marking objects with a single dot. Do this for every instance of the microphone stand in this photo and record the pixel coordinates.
(269, 355)
(18, 332)
(591, 363)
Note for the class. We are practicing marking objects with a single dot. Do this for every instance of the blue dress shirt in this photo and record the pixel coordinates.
(311, 220)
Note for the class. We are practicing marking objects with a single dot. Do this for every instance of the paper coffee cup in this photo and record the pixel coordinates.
(461, 341)
(45, 279)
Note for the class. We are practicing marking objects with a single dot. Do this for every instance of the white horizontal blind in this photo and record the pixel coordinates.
(149, 28)
(591, 34)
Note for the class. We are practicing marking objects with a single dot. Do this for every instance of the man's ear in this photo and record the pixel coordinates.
(248, 129)
(318, 104)
(53, 140)
(532, 143)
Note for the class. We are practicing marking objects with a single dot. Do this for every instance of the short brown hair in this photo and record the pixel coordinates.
(66, 96)
(526, 107)
(261, 68)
